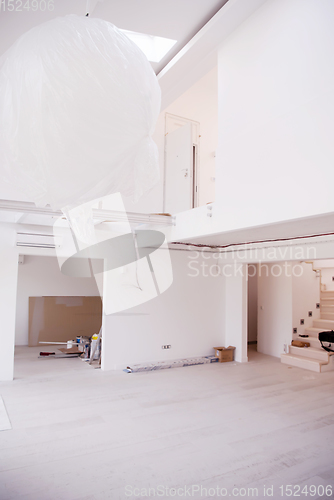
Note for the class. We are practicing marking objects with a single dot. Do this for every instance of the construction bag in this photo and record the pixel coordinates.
(327, 337)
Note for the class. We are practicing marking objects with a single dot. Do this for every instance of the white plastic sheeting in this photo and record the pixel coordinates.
(78, 105)
(122, 285)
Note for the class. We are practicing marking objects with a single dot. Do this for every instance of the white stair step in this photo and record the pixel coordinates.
(326, 300)
(327, 293)
(313, 332)
(329, 367)
(324, 307)
(310, 352)
(326, 324)
(327, 315)
(312, 340)
(301, 362)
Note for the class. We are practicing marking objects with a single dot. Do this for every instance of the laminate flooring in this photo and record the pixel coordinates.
(206, 431)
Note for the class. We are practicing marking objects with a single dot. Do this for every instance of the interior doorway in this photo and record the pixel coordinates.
(52, 309)
(181, 177)
(252, 307)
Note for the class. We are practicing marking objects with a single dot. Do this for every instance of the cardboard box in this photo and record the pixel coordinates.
(225, 354)
(299, 343)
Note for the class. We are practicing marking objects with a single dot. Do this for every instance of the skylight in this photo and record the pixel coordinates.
(154, 47)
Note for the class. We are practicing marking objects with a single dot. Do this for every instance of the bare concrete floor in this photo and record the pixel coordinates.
(80, 433)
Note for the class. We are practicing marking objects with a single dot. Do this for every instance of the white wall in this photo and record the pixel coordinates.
(305, 296)
(40, 276)
(189, 316)
(327, 272)
(8, 280)
(326, 278)
(198, 103)
(252, 303)
(274, 309)
(276, 114)
(236, 313)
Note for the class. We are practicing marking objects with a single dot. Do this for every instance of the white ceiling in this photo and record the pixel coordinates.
(176, 19)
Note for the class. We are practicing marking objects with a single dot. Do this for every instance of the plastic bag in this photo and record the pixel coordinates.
(78, 105)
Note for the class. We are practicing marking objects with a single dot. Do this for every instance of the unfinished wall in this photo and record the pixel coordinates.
(274, 308)
(276, 111)
(40, 276)
(305, 295)
(189, 316)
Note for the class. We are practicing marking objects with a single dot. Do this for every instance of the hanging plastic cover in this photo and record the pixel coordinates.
(78, 105)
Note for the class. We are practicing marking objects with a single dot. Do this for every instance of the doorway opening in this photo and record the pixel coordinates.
(181, 172)
(252, 307)
(52, 309)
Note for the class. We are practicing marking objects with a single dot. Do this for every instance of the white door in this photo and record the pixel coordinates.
(179, 175)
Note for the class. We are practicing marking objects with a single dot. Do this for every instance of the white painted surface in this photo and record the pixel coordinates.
(179, 170)
(198, 103)
(322, 264)
(8, 280)
(41, 276)
(252, 303)
(200, 55)
(274, 310)
(327, 278)
(189, 316)
(236, 313)
(276, 111)
(305, 296)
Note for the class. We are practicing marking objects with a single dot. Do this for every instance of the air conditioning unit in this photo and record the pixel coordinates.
(36, 240)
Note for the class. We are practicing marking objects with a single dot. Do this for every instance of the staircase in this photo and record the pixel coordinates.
(314, 358)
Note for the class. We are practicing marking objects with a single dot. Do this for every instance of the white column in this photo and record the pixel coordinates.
(8, 288)
(236, 312)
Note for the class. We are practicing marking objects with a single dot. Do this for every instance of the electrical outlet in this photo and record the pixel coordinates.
(294, 330)
(166, 346)
(317, 305)
(310, 313)
(301, 321)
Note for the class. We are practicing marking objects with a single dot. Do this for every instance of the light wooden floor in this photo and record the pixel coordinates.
(80, 433)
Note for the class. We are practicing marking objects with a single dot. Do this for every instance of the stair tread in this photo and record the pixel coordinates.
(305, 358)
(311, 348)
(305, 339)
(314, 349)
